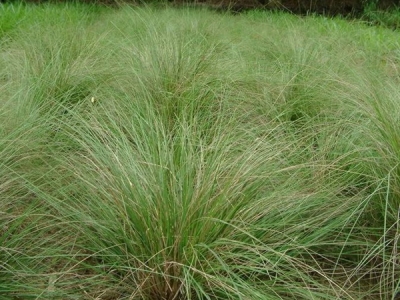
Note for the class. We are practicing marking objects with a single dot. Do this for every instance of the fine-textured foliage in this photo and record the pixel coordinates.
(180, 154)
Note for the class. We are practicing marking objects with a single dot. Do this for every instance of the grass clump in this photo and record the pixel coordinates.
(198, 159)
(389, 18)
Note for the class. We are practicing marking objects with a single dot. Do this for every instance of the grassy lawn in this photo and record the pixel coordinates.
(171, 154)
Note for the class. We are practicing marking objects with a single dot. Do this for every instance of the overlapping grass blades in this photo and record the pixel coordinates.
(199, 158)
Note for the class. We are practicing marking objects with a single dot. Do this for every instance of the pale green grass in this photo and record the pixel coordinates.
(183, 154)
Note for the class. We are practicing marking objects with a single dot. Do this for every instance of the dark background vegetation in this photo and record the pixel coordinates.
(327, 7)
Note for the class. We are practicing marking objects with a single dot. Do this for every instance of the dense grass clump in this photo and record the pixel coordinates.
(181, 154)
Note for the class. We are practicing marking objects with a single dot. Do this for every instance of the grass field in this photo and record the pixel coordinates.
(170, 154)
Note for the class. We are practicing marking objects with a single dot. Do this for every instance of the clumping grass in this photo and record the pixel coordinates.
(183, 154)
(389, 18)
